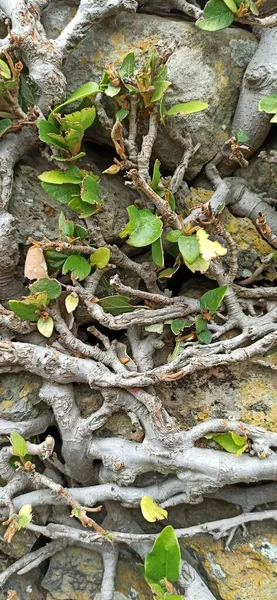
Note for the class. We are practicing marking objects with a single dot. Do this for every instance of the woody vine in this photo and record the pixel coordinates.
(72, 271)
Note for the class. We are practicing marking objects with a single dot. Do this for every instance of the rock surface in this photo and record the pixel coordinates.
(203, 67)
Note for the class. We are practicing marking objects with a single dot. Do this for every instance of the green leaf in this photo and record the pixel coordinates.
(156, 174)
(4, 126)
(173, 236)
(200, 324)
(26, 96)
(151, 511)
(80, 232)
(4, 70)
(216, 16)
(143, 227)
(200, 264)
(71, 302)
(67, 228)
(116, 305)
(46, 326)
(155, 328)
(177, 325)
(79, 267)
(59, 177)
(87, 89)
(112, 90)
(231, 5)
(274, 119)
(83, 208)
(24, 516)
(73, 137)
(121, 114)
(164, 560)
(187, 108)
(18, 443)
(241, 136)
(253, 8)
(52, 287)
(268, 104)
(79, 120)
(38, 299)
(189, 248)
(230, 441)
(205, 337)
(212, 299)
(170, 271)
(157, 252)
(160, 89)
(44, 128)
(90, 190)
(54, 259)
(100, 257)
(23, 310)
(162, 109)
(177, 350)
(127, 67)
(171, 200)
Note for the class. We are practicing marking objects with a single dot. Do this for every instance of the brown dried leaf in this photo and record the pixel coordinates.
(12, 595)
(11, 529)
(112, 170)
(117, 138)
(35, 264)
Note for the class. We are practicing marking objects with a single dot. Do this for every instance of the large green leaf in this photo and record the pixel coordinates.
(116, 305)
(127, 67)
(52, 287)
(4, 125)
(187, 108)
(79, 267)
(269, 104)
(189, 248)
(164, 560)
(144, 227)
(212, 299)
(90, 190)
(61, 193)
(24, 310)
(217, 16)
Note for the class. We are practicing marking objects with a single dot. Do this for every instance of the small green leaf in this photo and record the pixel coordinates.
(44, 128)
(84, 209)
(4, 125)
(187, 108)
(155, 328)
(160, 89)
(170, 271)
(24, 516)
(87, 89)
(26, 96)
(157, 252)
(216, 16)
(268, 104)
(205, 337)
(173, 236)
(241, 136)
(59, 177)
(253, 8)
(73, 139)
(212, 299)
(18, 443)
(71, 302)
(4, 70)
(127, 67)
(79, 267)
(164, 559)
(200, 264)
(200, 324)
(156, 174)
(90, 190)
(100, 257)
(162, 109)
(52, 287)
(45, 326)
(230, 441)
(151, 511)
(143, 227)
(177, 350)
(37, 299)
(112, 90)
(24, 310)
(80, 119)
(68, 228)
(177, 325)
(189, 248)
(116, 305)
(121, 114)
(54, 259)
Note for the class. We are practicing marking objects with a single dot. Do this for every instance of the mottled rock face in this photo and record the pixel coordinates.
(261, 173)
(203, 66)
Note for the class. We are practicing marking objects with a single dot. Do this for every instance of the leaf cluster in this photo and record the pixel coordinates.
(219, 14)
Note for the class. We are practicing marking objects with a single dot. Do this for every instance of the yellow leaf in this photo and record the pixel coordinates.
(112, 170)
(151, 511)
(71, 302)
(209, 249)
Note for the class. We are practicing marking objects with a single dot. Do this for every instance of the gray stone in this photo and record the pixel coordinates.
(20, 545)
(261, 173)
(26, 586)
(203, 66)
(19, 395)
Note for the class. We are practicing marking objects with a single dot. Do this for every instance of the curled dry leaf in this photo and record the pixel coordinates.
(12, 595)
(117, 138)
(35, 264)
